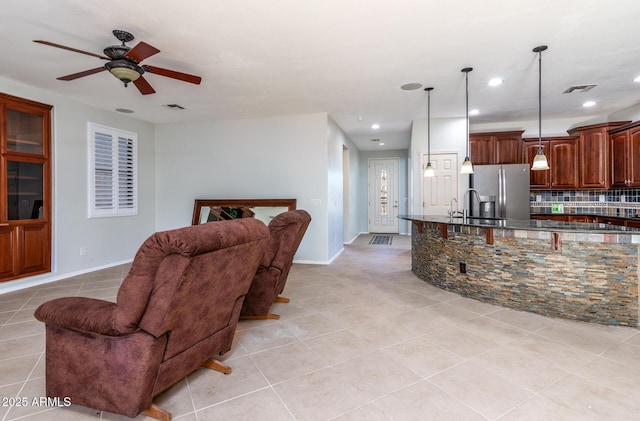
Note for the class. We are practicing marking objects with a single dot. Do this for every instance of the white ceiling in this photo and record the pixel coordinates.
(344, 57)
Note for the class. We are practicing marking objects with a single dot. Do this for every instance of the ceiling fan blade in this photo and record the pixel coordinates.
(143, 86)
(75, 50)
(173, 74)
(141, 51)
(82, 74)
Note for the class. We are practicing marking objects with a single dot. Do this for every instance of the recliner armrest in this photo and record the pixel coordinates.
(83, 314)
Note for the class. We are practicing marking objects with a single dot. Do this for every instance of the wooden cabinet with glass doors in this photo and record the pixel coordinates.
(25, 188)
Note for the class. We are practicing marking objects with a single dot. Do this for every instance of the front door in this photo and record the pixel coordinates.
(383, 195)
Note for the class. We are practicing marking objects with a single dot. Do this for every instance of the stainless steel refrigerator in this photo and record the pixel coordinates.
(503, 191)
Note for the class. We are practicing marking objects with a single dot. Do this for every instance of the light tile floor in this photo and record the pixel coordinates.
(364, 339)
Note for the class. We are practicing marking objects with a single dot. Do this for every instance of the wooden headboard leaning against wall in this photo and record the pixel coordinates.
(210, 210)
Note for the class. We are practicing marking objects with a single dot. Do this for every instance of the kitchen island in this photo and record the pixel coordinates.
(573, 270)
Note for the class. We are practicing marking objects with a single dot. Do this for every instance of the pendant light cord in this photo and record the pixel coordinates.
(466, 78)
(539, 50)
(428, 124)
(466, 71)
(540, 100)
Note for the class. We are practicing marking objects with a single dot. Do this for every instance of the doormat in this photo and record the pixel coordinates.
(384, 240)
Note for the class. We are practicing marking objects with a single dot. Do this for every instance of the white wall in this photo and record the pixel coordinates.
(335, 188)
(356, 185)
(631, 114)
(108, 241)
(276, 157)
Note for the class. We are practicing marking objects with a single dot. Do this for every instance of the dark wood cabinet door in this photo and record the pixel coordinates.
(594, 159)
(509, 149)
(7, 251)
(563, 161)
(482, 149)
(35, 248)
(633, 157)
(539, 180)
(619, 160)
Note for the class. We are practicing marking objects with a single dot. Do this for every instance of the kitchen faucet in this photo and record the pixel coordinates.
(465, 212)
(451, 213)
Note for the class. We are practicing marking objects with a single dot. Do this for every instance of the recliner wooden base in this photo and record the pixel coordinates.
(217, 366)
(154, 411)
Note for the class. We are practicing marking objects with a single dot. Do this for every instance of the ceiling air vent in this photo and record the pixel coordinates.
(579, 88)
(174, 107)
(375, 140)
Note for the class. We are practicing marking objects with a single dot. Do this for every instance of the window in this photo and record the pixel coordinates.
(113, 172)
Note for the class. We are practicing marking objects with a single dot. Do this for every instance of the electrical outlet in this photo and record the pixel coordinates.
(463, 267)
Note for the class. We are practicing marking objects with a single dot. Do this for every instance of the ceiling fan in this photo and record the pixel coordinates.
(124, 63)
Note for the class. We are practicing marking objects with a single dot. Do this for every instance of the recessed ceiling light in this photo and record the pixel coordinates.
(474, 112)
(495, 81)
(411, 86)
(360, 118)
(375, 126)
(589, 104)
(381, 143)
(637, 79)
(124, 110)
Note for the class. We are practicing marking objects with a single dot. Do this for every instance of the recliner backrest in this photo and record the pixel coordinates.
(184, 281)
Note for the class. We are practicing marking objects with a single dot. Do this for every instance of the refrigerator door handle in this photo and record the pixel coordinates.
(502, 193)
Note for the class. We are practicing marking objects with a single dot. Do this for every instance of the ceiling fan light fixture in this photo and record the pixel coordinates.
(124, 70)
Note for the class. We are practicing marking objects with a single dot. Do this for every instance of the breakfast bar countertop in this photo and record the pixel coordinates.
(525, 225)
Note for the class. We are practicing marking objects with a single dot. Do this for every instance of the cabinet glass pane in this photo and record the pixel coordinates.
(24, 132)
(24, 190)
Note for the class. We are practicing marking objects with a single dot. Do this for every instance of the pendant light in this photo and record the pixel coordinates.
(540, 161)
(428, 170)
(467, 166)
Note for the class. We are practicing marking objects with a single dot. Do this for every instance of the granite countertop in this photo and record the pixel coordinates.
(526, 225)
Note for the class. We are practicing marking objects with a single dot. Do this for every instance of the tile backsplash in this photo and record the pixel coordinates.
(623, 203)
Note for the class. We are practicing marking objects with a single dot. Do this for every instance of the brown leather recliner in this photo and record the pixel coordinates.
(285, 234)
(178, 306)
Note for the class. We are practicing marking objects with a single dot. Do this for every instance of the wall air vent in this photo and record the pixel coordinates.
(579, 88)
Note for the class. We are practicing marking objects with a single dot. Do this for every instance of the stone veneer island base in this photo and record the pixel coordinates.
(586, 272)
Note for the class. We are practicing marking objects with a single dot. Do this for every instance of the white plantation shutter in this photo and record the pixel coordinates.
(127, 162)
(113, 172)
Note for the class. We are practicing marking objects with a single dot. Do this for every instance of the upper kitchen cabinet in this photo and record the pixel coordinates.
(594, 154)
(562, 155)
(496, 148)
(625, 155)
(25, 188)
